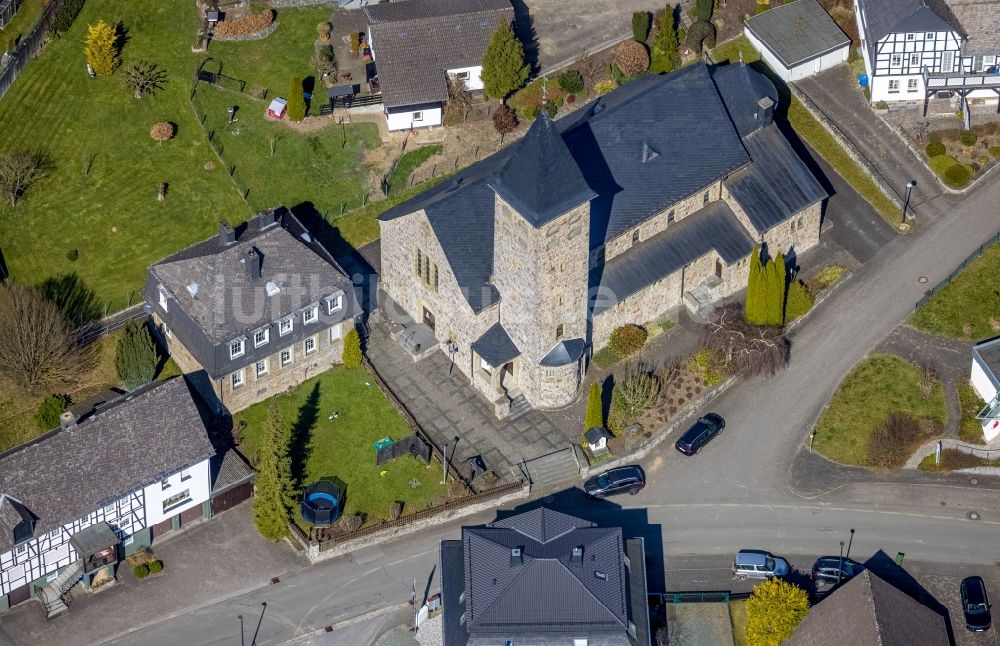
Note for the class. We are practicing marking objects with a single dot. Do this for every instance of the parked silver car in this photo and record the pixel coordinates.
(758, 564)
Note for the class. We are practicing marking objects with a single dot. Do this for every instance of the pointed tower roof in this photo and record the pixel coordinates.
(541, 179)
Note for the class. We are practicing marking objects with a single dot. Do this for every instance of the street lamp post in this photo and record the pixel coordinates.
(849, 542)
(263, 607)
(242, 643)
(906, 201)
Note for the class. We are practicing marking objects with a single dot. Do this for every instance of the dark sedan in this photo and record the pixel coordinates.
(698, 435)
(825, 569)
(624, 479)
(975, 604)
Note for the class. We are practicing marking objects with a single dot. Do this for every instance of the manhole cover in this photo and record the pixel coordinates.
(972, 515)
(922, 280)
(974, 481)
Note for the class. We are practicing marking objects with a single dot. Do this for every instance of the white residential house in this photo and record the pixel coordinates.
(985, 378)
(66, 517)
(418, 44)
(916, 51)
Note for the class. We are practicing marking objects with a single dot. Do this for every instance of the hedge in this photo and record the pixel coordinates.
(66, 15)
(934, 149)
(627, 339)
(958, 175)
(967, 137)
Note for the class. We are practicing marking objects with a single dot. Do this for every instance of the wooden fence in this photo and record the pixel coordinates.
(29, 47)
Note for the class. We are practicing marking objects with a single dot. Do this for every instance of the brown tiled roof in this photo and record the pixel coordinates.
(867, 611)
(416, 41)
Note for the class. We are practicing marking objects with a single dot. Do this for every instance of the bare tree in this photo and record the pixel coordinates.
(18, 171)
(638, 389)
(746, 349)
(38, 346)
(144, 78)
(272, 142)
(459, 101)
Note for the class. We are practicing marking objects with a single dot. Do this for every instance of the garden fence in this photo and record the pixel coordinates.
(115, 322)
(975, 451)
(486, 494)
(217, 146)
(954, 274)
(28, 47)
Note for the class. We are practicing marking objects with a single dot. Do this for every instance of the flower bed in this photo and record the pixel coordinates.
(957, 156)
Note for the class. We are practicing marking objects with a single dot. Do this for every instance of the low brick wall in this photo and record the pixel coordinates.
(315, 553)
(260, 35)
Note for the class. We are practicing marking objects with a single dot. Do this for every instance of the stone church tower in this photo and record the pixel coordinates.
(540, 263)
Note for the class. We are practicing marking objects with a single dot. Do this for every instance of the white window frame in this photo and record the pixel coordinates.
(52, 576)
(128, 540)
(164, 484)
(911, 36)
(930, 35)
(485, 366)
(163, 298)
(257, 368)
(110, 509)
(185, 474)
(978, 63)
(334, 303)
(463, 76)
(242, 350)
(182, 499)
(21, 548)
(291, 356)
(236, 379)
(915, 59)
(417, 116)
(896, 60)
(306, 343)
(947, 55)
(893, 86)
(286, 325)
(911, 85)
(55, 533)
(310, 315)
(335, 334)
(257, 342)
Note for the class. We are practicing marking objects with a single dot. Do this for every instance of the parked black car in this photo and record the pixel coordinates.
(825, 568)
(975, 604)
(615, 481)
(698, 435)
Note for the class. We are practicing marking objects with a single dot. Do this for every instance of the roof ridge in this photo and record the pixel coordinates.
(499, 595)
(585, 587)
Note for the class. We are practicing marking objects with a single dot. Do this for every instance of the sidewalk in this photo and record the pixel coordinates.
(836, 94)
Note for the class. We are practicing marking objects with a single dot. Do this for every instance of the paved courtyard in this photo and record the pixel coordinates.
(204, 564)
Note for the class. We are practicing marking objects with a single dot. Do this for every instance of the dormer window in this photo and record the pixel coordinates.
(334, 303)
(286, 325)
(163, 298)
(260, 337)
(310, 315)
(237, 348)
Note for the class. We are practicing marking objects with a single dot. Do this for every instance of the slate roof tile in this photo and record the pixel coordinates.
(495, 346)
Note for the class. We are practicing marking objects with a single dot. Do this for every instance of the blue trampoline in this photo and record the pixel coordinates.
(322, 503)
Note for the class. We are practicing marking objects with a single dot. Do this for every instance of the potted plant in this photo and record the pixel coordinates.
(324, 29)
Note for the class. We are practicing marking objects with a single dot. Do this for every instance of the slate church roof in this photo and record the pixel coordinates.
(147, 434)
(416, 41)
(639, 150)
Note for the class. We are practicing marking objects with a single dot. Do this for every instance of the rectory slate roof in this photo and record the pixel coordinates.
(150, 433)
(712, 228)
(777, 184)
(495, 346)
(884, 17)
(980, 23)
(415, 42)
(868, 610)
(543, 589)
(797, 32)
(225, 302)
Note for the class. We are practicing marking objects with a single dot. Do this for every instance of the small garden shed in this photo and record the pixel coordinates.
(277, 108)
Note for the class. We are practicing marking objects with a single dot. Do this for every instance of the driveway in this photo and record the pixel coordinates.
(835, 93)
(556, 30)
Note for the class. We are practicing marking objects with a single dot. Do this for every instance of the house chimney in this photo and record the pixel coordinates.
(67, 420)
(516, 556)
(765, 110)
(252, 262)
(226, 234)
(577, 555)
(267, 219)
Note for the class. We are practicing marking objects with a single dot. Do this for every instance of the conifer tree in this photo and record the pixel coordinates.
(135, 356)
(504, 69)
(595, 408)
(352, 349)
(774, 610)
(665, 57)
(272, 503)
(777, 291)
(296, 107)
(101, 49)
(756, 300)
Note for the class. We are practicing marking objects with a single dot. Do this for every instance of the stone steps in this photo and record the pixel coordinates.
(519, 407)
(560, 467)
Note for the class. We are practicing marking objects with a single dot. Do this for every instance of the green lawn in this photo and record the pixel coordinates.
(112, 216)
(20, 26)
(877, 386)
(408, 163)
(270, 63)
(342, 447)
(738, 617)
(812, 132)
(970, 429)
(323, 166)
(964, 308)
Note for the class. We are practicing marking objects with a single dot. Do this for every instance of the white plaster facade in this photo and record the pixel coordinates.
(987, 385)
(802, 70)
